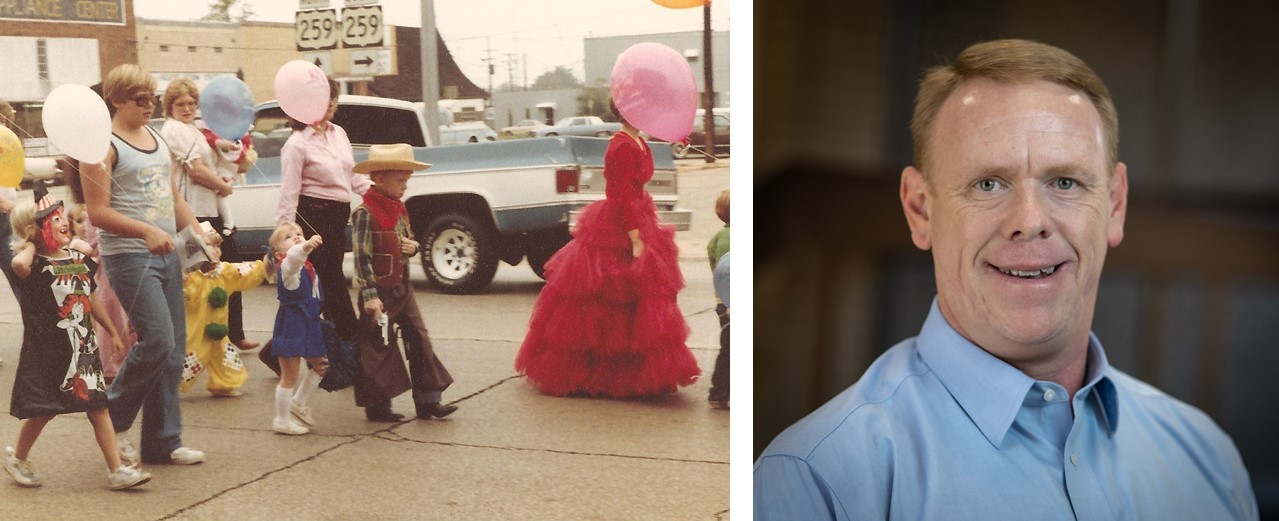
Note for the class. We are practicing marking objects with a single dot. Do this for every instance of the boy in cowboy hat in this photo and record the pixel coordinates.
(383, 245)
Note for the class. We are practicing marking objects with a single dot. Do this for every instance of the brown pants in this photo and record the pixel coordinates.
(428, 374)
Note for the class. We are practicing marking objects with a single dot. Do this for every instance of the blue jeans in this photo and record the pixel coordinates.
(150, 290)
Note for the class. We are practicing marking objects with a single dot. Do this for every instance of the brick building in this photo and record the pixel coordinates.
(55, 42)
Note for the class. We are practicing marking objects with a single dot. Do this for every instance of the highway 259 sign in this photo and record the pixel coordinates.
(319, 29)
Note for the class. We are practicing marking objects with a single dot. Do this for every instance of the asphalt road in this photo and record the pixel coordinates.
(508, 453)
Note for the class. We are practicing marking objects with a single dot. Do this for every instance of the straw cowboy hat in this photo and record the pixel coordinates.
(398, 156)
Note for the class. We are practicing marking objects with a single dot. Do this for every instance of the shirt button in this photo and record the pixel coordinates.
(1049, 395)
(1074, 460)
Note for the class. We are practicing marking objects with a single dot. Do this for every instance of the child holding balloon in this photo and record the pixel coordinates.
(297, 332)
(58, 370)
(716, 249)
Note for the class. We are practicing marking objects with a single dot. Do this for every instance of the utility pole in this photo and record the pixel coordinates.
(708, 121)
(489, 61)
(510, 69)
(525, 62)
(430, 71)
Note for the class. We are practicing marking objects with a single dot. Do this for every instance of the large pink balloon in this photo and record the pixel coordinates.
(654, 89)
(302, 90)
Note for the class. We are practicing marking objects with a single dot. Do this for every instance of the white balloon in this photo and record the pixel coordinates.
(78, 123)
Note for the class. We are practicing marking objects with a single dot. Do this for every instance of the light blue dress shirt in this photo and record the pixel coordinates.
(938, 428)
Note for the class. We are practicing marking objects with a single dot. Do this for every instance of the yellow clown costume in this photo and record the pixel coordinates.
(208, 348)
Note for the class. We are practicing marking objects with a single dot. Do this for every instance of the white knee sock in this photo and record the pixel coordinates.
(306, 388)
(282, 397)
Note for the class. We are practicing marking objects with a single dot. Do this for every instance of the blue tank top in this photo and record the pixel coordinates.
(140, 190)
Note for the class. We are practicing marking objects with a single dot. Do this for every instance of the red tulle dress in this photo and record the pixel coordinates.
(608, 324)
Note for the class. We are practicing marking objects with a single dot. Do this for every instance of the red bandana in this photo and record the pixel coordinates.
(384, 210)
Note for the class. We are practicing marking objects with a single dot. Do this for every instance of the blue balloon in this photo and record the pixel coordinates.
(721, 279)
(227, 107)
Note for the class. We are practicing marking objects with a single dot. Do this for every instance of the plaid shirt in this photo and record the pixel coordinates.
(362, 246)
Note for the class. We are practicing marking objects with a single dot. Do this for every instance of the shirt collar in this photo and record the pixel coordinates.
(990, 391)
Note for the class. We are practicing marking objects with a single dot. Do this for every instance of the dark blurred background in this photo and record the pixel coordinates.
(1189, 302)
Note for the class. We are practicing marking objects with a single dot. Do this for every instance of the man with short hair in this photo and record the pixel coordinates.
(1004, 407)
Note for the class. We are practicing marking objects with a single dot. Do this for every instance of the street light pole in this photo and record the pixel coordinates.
(708, 119)
(430, 71)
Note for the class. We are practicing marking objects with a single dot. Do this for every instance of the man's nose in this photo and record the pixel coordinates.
(1027, 216)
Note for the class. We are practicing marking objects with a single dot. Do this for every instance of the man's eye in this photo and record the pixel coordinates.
(987, 185)
(1065, 183)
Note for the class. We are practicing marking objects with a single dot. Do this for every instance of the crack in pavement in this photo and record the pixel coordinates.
(398, 438)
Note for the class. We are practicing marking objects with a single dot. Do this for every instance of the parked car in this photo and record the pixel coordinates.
(466, 132)
(523, 128)
(697, 139)
(579, 126)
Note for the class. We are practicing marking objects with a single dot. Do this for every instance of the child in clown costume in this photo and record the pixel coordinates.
(206, 292)
(58, 369)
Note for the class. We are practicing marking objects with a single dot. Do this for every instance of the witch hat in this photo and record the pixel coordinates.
(45, 203)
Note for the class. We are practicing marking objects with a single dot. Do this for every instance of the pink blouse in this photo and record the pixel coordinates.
(317, 165)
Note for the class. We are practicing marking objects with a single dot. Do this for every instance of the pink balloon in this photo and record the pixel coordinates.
(654, 89)
(302, 91)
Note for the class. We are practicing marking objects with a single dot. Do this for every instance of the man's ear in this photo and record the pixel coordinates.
(914, 195)
(1118, 205)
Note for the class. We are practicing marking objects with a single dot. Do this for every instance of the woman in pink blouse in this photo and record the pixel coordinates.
(316, 185)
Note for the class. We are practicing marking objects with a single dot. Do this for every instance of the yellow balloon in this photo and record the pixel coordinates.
(12, 158)
(681, 4)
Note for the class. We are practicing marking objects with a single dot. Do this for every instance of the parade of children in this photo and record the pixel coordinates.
(128, 305)
(58, 368)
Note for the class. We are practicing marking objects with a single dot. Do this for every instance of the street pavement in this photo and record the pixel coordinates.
(509, 453)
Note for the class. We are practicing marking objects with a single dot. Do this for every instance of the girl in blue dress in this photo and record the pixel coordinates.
(297, 332)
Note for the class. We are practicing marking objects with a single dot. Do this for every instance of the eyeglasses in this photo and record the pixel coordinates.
(183, 104)
(144, 100)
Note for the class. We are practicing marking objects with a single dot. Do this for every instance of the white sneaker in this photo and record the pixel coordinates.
(128, 455)
(288, 426)
(302, 413)
(126, 477)
(186, 456)
(23, 471)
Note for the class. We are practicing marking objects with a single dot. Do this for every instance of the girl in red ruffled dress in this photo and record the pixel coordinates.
(607, 323)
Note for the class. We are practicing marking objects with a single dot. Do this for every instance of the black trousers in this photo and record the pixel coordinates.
(329, 219)
(235, 304)
(719, 378)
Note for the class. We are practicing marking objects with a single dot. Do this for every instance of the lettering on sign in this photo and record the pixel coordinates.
(64, 11)
(362, 26)
(315, 30)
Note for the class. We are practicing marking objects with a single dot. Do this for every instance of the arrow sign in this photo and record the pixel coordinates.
(321, 59)
(372, 62)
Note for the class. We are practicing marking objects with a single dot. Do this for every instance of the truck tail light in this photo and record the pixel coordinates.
(566, 180)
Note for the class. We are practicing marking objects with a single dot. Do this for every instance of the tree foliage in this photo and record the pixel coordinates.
(593, 101)
(559, 78)
(220, 10)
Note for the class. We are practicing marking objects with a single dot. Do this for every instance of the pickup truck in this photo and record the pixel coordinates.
(480, 203)
(579, 126)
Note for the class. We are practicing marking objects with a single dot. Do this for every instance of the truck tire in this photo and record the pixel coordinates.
(543, 247)
(679, 150)
(459, 254)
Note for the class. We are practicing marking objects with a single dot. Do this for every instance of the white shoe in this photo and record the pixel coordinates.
(23, 471)
(288, 426)
(185, 456)
(128, 455)
(126, 477)
(302, 413)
